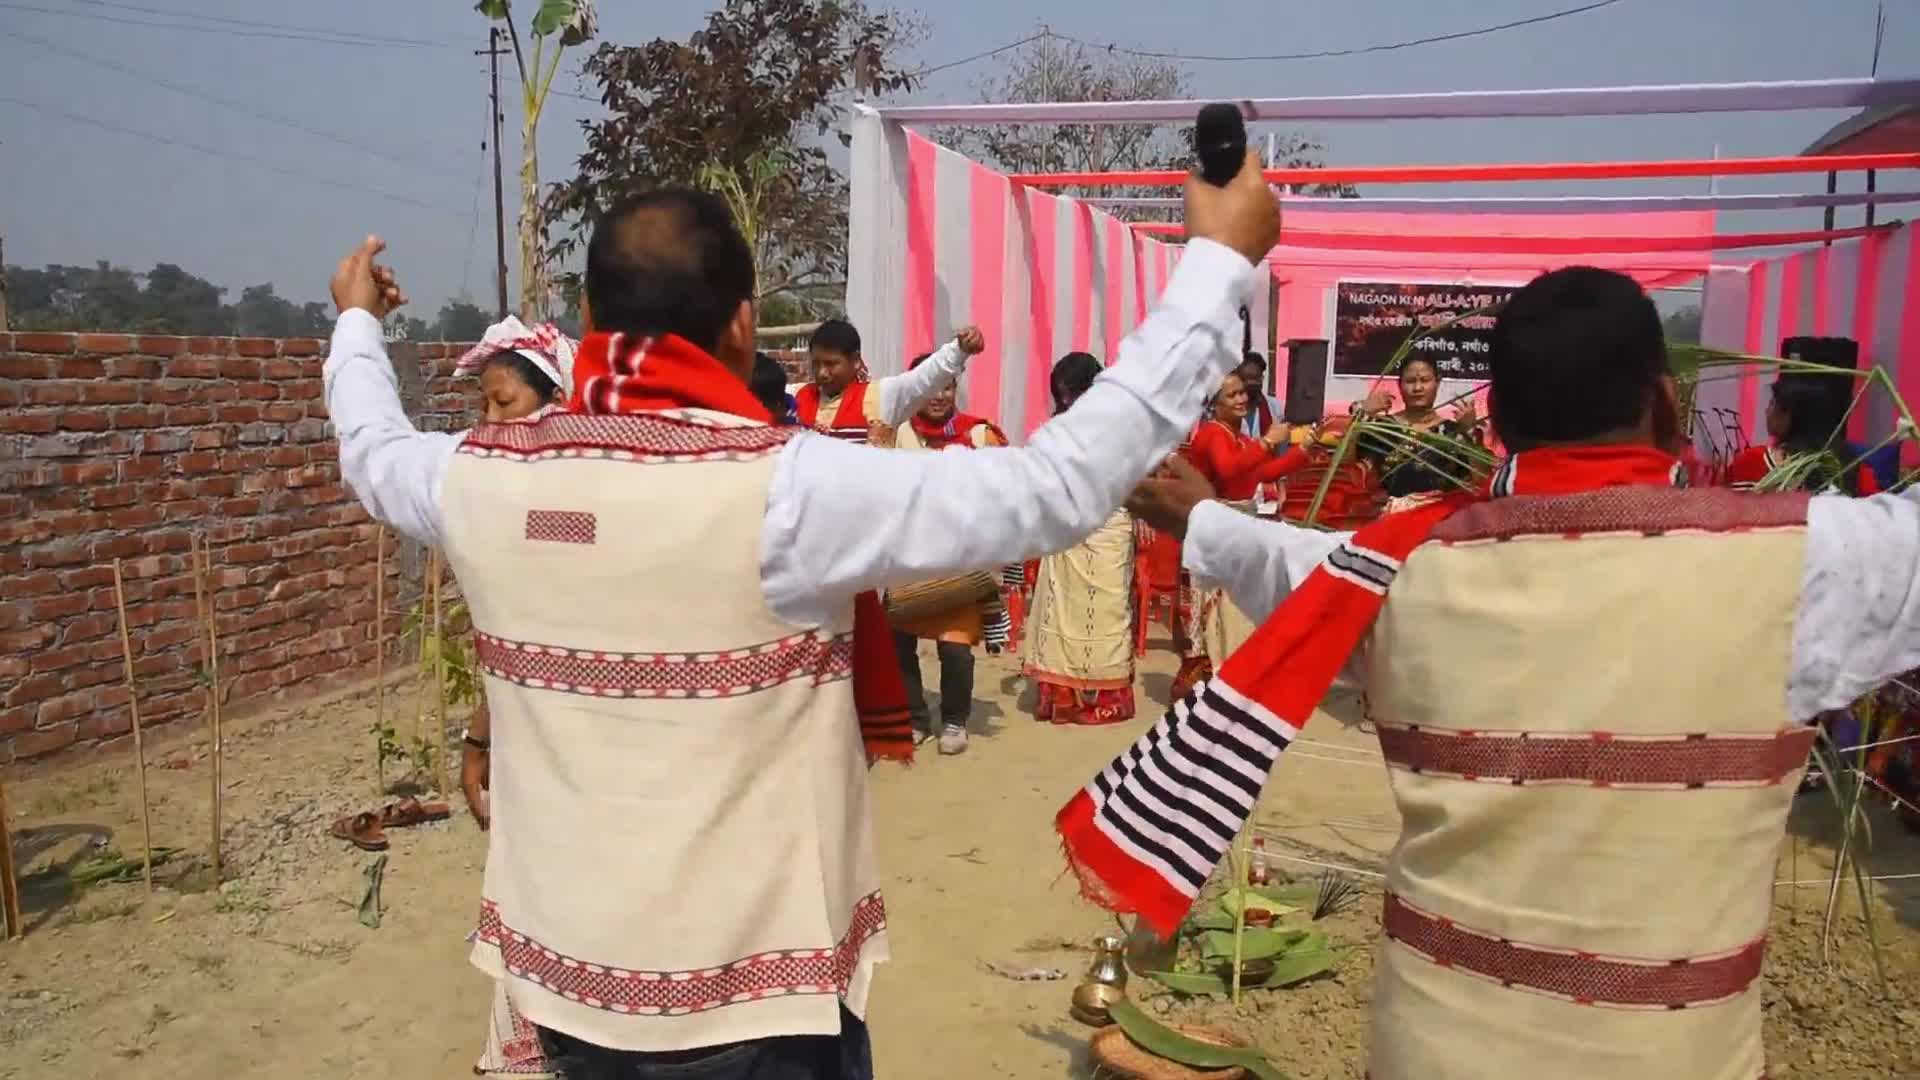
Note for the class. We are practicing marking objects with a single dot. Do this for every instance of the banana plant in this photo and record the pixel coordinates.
(556, 25)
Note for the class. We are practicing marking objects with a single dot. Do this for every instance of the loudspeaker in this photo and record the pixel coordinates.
(1842, 352)
(1306, 381)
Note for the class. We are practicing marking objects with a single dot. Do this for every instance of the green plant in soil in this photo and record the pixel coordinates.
(451, 651)
(1218, 954)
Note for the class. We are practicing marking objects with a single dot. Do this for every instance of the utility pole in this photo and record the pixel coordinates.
(493, 52)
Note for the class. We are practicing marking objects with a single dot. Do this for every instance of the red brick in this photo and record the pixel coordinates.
(10, 393)
(308, 390)
(51, 393)
(106, 498)
(13, 720)
(211, 438)
(110, 392)
(247, 413)
(83, 420)
(284, 369)
(45, 740)
(211, 346)
(146, 467)
(104, 725)
(59, 659)
(160, 345)
(26, 423)
(144, 368)
(91, 577)
(88, 628)
(36, 689)
(189, 415)
(64, 553)
(34, 584)
(119, 547)
(139, 416)
(47, 608)
(193, 367)
(105, 343)
(218, 392)
(189, 464)
(43, 343)
(81, 368)
(258, 391)
(256, 347)
(247, 553)
(15, 366)
(313, 347)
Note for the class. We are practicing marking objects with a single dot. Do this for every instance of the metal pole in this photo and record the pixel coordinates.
(1833, 185)
(493, 54)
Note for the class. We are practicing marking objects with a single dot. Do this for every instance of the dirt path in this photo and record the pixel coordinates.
(274, 976)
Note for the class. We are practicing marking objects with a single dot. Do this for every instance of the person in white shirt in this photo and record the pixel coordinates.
(1591, 687)
(663, 591)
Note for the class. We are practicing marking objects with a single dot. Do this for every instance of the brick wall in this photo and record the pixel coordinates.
(114, 446)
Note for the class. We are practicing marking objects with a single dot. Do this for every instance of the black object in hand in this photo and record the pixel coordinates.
(1220, 141)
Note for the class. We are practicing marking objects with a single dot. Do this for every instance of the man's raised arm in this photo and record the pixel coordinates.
(902, 395)
(394, 470)
(843, 518)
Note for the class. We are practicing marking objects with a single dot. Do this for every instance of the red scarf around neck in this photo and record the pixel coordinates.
(851, 416)
(1146, 834)
(955, 430)
(615, 373)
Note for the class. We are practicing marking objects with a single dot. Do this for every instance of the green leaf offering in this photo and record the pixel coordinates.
(1257, 942)
(1158, 1039)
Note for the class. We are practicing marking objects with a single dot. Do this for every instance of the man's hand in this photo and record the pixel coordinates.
(1466, 415)
(1244, 215)
(881, 435)
(1277, 435)
(1166, 499)
(475, 778)
(971, 340)
(359, 283)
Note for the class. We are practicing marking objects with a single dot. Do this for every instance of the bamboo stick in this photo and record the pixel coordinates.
(379, 657)
(9, 881)
(139, 751)
(440, 686)
(203, 599)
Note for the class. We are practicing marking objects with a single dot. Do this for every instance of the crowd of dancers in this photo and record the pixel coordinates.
(680, 591)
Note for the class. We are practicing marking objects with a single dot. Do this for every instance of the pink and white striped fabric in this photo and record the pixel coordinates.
(938, 242)
(1866, 289)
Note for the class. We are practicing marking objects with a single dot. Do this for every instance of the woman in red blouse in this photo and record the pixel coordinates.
(1237, 465)
(1241, 469)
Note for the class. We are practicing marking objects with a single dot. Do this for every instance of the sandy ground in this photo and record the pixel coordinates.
(272, 974)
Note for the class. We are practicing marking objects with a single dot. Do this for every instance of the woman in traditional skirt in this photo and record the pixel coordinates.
(1078, 645)
(525, 373)
(1245, 472)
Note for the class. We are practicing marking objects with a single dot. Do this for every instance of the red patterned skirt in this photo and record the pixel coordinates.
(1068, 705)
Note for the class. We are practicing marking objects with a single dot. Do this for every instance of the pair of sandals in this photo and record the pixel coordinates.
(368, 830)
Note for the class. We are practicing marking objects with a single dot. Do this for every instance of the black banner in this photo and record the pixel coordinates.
(1372, 319)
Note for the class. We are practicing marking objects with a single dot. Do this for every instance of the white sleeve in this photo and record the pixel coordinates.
(1858, 623)
(842, 518)
(1257, 562)
(394, 470)
(902, 395)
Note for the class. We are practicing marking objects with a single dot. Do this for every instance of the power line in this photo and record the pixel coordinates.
(329, 39)
(228, 154)
(1359, 51)
(231, 103)
(924, 72)
(228, 20)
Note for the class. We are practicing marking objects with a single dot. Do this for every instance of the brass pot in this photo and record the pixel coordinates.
(1106, 983)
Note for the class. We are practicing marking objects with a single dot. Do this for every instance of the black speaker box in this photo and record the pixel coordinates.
(1306, 381)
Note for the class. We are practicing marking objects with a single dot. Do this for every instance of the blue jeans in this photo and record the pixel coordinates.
(847, 1056)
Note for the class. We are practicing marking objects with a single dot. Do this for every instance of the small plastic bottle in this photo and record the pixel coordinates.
(1259, 874)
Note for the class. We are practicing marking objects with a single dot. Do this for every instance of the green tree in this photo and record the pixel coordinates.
(762, 82)
(1683, 326)
(561, 23)
(1054, 69)
(176, 302)
(461, 320)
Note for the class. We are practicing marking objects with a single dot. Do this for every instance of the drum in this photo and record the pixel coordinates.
(911, 603)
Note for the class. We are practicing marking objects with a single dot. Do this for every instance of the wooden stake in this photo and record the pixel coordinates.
(139, 751)
(9, 882)
(379, 655)
(210, 654)
(440, 685)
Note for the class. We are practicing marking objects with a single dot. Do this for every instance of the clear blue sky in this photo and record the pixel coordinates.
(75, 192)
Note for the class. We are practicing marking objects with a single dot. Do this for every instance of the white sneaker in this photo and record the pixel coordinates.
(953, 740)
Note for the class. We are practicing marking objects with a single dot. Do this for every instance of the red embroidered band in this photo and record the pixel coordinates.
(1582, 978)
(783, 973)
(667, 675)
(1599, 759)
